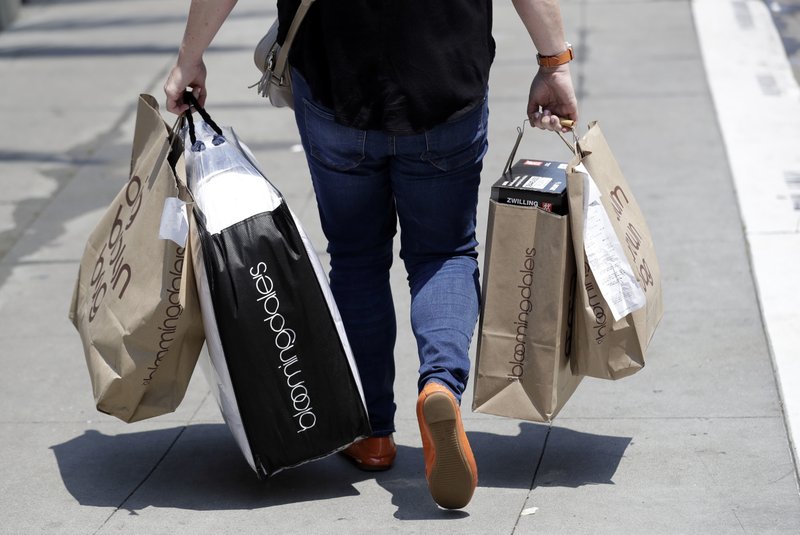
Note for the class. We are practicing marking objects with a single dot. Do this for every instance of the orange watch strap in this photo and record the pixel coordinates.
(559, 59)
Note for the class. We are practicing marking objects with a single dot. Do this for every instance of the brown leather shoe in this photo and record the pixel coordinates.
(449, 464)
(372, 454)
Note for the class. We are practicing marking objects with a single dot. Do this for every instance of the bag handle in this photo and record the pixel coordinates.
(189, 99)
(219, 138)
(566, 123)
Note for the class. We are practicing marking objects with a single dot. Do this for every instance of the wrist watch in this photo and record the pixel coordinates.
(559, 59)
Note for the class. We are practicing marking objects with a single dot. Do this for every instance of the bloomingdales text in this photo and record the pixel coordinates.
(173, 313)
(597, 304)
(525, 308)
(284, 343)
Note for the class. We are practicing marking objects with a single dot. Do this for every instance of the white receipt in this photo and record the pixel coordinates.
(174, 221)
(605, 255)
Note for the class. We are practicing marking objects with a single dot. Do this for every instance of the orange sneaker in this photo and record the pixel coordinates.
(449, 464)
(372, 454)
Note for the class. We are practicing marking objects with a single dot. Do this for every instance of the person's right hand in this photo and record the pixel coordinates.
(185, 74)
(552, 97)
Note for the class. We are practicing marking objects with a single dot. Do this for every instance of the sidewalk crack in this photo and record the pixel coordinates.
(533, 479)
(143, 481)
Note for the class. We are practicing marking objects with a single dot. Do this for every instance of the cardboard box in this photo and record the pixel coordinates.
(531, 183)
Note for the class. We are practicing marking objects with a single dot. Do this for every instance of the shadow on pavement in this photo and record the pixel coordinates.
(508, 461)
(409, 489)
(573, 459)
(204, 470)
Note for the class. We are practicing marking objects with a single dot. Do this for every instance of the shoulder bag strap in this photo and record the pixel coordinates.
(283, 55)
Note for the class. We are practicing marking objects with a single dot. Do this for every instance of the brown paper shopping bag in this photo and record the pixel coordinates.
(135, 301)
(605, 346)
(524, 344)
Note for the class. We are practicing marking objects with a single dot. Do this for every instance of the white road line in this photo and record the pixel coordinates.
(757, 101)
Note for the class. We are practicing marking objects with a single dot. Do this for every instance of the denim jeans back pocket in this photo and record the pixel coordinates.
(458, 143)
(336, 146)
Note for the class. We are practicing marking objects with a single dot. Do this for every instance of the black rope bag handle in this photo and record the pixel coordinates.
(197, 146)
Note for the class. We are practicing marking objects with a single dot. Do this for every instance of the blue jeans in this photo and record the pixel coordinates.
(365, 181)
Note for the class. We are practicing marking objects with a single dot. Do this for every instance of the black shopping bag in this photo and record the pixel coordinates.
(281, 365)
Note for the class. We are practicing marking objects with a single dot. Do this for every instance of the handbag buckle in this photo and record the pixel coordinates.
(271, 57)
(272, 62)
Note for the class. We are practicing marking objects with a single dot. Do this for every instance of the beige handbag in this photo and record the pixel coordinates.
(272, 60)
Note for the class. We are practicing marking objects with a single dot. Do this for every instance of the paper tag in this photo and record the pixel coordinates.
(174, 221)
(605, 255)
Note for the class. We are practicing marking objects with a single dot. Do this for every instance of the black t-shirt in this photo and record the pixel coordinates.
(400, 66)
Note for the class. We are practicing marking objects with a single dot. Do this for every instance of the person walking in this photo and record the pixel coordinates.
(390, 99)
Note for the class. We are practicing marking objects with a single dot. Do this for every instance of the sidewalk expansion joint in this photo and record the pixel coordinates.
(158, 463)
(533, 478)
(143, 481)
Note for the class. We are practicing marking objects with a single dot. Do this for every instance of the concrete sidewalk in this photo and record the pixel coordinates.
(695, 443)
